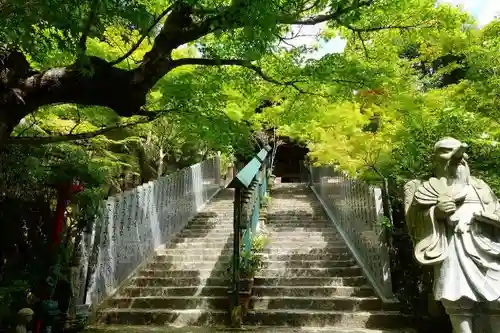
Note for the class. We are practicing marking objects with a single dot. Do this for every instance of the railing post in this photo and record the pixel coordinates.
(356, 210)
(255, 213)
(236, 244)
(218, 170)
(249, 178)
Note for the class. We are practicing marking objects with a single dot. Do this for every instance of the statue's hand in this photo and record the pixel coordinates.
(445, 207)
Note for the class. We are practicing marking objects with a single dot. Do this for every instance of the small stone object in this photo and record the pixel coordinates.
(24, 318)
(454, 222)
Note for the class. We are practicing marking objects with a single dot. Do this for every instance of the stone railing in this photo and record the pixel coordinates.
(134, 223)
(356, 210)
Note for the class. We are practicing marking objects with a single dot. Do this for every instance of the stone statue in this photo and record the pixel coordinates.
(454, 221)
(24, 319)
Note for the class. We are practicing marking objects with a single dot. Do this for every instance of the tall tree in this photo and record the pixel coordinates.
(226, 33)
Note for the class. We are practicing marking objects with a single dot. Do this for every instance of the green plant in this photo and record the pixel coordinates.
(384, 223)
(236, 314)
(251, 261)
(226, 161)
(259, 242)
(266, 200)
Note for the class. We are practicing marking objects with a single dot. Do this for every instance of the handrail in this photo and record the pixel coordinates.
(355, 208)
(250, 185)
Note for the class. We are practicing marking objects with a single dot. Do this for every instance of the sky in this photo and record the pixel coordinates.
(483, 10)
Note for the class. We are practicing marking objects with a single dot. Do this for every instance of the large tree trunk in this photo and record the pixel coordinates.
(94, 81)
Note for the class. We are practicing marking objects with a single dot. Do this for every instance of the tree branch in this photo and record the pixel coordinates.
(335, 16)
(33, 123)
(124, 91)
(34, 140)
(143, 37)
(386, 27)
(92, 16)
(363, 44)
(314, 4)
(238, 62)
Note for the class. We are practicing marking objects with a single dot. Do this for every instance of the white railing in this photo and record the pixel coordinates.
(356, 209)
(134, 223)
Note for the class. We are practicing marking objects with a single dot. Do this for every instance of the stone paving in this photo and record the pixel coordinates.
(311, 282)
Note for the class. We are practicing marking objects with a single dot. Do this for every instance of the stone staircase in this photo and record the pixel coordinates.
(186, 283)
(310, 284)
(311, 279)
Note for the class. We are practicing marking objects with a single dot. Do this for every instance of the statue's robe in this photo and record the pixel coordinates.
(466, 258)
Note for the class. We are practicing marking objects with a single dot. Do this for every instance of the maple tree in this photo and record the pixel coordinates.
(60, 56)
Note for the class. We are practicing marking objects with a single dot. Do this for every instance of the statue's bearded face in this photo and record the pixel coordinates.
(452, 165)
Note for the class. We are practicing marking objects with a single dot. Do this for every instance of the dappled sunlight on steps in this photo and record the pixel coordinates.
(310, 282)
(186, 282)
(311, 278)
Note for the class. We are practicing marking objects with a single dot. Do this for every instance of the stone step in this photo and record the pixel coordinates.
(312, 272)
(319, 218)
(220, 217)
(296, 318)
(200, 244)
(212, 211)
(313, 235)
(301, 318)
(172, 256)
(313, 291)
(257, 303)
(272, 225)
(356, 281)
(186, 233)
(300, 221)
(214, 223)
(307, 248)
(312, 243)
(206, 229)
(179, 257)
(159, 270)
(195, 250)
(220, 226)
(327, 233)
(194, 317)
(187, 265)
(285, 264)
(330, 236)
(165, 273)
(298, 291)
(174, 291)
(195, 235)
(179, 281)
(333, 303)
(216, 329)
(305, 236)
(301, 227)
(215, 218)
(171, 302)
(216, 238)
(280, 243)
(293, 208)
(313, 255)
